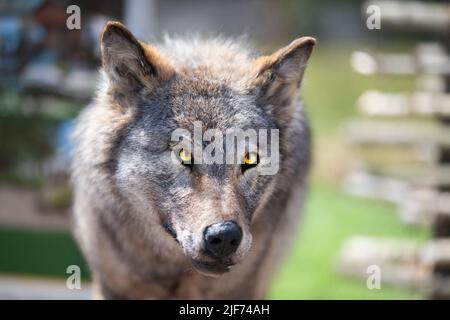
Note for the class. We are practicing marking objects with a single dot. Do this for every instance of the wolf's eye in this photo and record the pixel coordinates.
(185, 156)
(251, 159)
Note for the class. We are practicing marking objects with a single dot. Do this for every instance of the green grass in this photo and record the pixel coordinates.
(39, 253)
(331, 217)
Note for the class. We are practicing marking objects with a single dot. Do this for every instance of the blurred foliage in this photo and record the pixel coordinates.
(25, 138)
(28, 127)
(60, 196)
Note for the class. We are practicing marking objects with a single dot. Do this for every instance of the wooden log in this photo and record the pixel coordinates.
(419, 176)
(416, 205)
(365, 184)
(397, 260)
(382, 155)
(377, 103)
(427, 59)
(396, 182)
(424, 267)
(431, 83)
(435, 256)
(413, 132)
(427, 207)
(414, 15)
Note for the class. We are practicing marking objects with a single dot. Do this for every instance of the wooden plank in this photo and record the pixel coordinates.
(426, 59)
(377, 103)
(365, 184)
(412, 132)
(425, 207)
(419, 176)
(416, 205)
(382, 155)
(431, 83)
(414, 15)
(397, 260)
(401, 262)
(385, 182)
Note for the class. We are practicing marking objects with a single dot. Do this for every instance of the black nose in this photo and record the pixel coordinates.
(222, 239)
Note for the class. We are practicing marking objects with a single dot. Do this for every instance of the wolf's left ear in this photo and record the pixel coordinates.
(279, 75)
(129, 63)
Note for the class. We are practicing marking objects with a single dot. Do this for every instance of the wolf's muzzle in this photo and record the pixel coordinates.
(222, 239)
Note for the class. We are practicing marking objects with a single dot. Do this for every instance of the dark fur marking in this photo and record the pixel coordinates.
(169, 229)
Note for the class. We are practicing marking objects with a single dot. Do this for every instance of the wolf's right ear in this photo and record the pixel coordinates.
(279, 75)
(129, 63)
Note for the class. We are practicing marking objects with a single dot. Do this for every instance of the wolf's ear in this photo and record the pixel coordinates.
(129, 63)
(279, 75)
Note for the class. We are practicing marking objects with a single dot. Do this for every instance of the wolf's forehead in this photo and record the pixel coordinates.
(212, 103)
(222, 58)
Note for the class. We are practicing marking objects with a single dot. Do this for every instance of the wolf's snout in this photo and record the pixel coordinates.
(222, 239)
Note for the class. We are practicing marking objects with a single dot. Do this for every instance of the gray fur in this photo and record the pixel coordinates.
(139, 216)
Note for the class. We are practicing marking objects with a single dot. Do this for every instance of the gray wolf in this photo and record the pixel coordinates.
(154, 228)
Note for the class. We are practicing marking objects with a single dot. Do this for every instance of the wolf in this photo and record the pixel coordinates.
(152, 228)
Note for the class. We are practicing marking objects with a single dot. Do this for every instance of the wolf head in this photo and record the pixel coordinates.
(207, 207)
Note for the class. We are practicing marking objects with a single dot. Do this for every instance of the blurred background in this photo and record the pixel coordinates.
(377, 94)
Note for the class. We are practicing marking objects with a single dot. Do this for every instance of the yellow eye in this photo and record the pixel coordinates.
(251, 158)
(185, 156)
